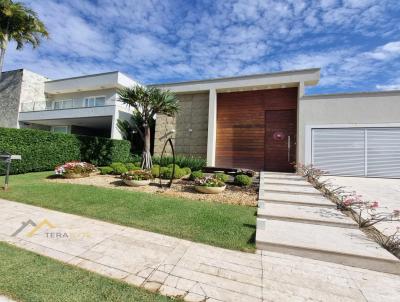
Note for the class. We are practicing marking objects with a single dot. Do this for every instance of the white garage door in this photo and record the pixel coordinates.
(372, 152)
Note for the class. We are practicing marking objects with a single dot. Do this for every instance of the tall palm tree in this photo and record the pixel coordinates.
(20, 24)
(147, 102)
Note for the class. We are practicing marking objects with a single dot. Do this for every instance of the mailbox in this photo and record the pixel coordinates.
(7, 158)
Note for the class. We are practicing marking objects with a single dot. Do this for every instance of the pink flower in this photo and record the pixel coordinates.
(374, 205)
(348, 201)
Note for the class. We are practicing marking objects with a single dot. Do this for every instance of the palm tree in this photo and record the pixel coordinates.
(147, 103)
(20, 24)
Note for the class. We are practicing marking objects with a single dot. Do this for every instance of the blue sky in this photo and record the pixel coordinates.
(356, 43)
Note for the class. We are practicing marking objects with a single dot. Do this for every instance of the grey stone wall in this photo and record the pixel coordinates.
(191, 126)
(10, 90)
(18, 86)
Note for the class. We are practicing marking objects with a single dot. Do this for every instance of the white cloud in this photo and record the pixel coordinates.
(393, 85)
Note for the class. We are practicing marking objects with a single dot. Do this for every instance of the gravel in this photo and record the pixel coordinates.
(180, 188)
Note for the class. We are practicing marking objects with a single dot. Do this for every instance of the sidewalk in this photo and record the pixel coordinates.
(194, 271)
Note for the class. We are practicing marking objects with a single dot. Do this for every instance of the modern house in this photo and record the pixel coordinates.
(84, 105)
(261, 122)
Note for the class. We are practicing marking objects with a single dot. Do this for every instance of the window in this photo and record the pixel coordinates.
(57, 105)
(60, 129)
(95, 101)
(100, 101)
(67, 104)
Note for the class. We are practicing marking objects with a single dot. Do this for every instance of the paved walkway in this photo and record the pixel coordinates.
(194, 271)
(384, 190)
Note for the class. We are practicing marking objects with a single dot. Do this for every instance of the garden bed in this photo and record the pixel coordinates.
(180, 188)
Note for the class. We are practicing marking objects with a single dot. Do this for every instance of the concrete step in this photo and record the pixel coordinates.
(277, 175)
(282, 181)
(305, 214)
(304, 190)
(345, 246)
(286, 198)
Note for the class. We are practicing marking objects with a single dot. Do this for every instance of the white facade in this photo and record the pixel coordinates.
(82, 105)
(89, 105)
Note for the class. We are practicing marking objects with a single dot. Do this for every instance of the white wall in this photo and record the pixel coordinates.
(367, 109)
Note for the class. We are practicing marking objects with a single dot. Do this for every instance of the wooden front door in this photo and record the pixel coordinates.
(280, 140)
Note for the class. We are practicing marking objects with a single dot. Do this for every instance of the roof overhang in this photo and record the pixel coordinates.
(90, 82)
(282, 79)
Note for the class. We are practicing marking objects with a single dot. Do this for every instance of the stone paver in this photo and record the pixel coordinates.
(194, 271)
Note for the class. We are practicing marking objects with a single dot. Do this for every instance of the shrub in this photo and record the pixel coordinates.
(43, 150)
(40, 150)
(179, 173)
(243, 180)
(131, 167)
(187, 170)
(222, 177)
(106, 170)
(176, 166)
(194, 163)
(166, 173)
(155, 171)
(102, 151)
(118, 168)
(196, 174)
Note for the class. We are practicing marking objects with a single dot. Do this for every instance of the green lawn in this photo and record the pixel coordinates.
(223, 225)
(25, 276)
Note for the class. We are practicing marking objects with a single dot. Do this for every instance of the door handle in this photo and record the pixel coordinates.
(288, 148)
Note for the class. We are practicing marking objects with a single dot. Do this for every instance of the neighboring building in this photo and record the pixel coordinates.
(262, 122)
(84, 105)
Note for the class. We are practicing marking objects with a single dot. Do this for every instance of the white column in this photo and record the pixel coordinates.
(300, 137)
(212, 128)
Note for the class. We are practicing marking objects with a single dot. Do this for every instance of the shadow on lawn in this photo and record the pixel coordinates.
(252, 239)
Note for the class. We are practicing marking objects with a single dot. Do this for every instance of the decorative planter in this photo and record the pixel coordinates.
(75, 175)
(136, 183)
(209, 190)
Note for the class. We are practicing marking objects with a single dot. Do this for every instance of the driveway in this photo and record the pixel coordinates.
(384, 190)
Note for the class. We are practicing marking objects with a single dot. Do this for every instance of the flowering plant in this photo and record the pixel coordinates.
(75, 167)
(364, 212)
(137, 175)
(209, 181)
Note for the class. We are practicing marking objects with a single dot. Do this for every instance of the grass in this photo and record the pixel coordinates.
(223, 225)
(26, 276)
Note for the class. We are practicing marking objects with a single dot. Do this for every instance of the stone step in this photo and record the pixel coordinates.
(286, 198)
(282, 181)
(305, 214)
(345, 246)
(290, 189)
(277, 175)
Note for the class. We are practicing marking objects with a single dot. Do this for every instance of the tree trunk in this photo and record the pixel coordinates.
(146, 155)
(3, 47)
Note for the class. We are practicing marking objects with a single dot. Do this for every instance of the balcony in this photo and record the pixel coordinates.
(66, 104)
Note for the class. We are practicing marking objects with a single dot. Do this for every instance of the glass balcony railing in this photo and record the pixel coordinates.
(65, 104)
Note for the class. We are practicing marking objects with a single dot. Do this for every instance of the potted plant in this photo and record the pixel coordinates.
(137, 178)
(75, 169)
(209, 185)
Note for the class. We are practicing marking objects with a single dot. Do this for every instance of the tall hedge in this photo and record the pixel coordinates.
(43, 150)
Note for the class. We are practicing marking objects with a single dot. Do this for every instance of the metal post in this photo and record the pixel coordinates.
(8, 163)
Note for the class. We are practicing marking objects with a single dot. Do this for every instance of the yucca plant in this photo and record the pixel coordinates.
(147, 103)
(20, 24)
